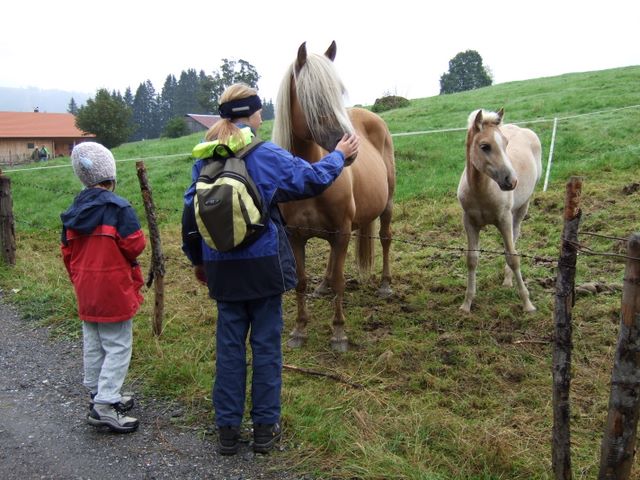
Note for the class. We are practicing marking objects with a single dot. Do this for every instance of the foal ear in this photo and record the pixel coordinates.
(500, 115)
(301, 58)
(331, 51)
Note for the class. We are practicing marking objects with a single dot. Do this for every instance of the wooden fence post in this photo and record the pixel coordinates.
(619, 440)
(156, 269)
(7, 223)
(565, 298)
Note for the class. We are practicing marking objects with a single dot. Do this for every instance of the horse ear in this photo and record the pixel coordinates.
(301, 59)
(500, 115)
(331, 51)
(477, 122)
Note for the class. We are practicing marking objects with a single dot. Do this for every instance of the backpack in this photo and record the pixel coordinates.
(228, 206)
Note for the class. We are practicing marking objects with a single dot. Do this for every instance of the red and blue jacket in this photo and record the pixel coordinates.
(101, 240)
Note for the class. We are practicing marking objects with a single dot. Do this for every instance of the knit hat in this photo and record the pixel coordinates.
(93, 163)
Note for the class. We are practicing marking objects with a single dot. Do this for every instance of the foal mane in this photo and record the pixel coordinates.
(320, 93)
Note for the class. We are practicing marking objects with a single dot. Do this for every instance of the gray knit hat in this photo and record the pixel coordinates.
(93, 163)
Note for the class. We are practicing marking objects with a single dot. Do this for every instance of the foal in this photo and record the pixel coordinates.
(502, 168)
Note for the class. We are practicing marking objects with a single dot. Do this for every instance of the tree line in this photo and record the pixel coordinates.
(116, 118)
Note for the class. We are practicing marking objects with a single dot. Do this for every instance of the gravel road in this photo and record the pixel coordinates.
(44, 435)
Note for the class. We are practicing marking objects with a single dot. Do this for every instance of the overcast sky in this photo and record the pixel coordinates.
(399, 47)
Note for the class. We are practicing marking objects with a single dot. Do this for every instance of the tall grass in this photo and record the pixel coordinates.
(445, 395)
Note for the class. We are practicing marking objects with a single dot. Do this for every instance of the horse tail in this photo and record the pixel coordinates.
(365, 248)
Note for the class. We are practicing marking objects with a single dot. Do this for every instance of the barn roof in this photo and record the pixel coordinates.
(204, 120)
(39, 125)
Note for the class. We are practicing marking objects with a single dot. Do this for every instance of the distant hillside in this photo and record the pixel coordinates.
(27, 99)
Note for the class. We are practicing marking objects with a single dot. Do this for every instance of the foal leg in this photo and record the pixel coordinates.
(339, 246)
(513, 261)
(518, 216)
(473, 243)
(298, 335)
(385, 240)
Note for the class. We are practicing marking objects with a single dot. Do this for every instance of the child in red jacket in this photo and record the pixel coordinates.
(101, 240)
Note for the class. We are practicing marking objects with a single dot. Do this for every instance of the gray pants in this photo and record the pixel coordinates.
(106, 355)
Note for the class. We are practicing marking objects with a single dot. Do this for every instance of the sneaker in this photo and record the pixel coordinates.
(228, 439)
(265, 436)
(125, 404)
(107, 415)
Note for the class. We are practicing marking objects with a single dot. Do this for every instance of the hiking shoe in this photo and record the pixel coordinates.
(265, 436)
(106, 415)
(125, 404)
(228, 439)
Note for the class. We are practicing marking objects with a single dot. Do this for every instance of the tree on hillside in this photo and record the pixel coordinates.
(106, 117)
(186, 94)
(230, 72)
(72, 108)
(268, 110)
(146, 113)
(466, 72)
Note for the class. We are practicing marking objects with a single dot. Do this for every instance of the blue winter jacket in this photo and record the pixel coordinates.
(267, 266)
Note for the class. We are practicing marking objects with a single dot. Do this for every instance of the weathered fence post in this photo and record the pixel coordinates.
(619, 440)
(7, 224)
(565, 286)
(156, 269)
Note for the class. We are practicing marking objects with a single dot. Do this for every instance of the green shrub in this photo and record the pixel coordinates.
(389, 103)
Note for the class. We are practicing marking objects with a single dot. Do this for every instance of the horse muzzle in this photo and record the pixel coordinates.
(508, 184)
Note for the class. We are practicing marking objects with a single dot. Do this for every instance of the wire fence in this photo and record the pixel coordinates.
(459, 250)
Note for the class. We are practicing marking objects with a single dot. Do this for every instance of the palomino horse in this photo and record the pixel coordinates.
(502, 169)
(310, 119)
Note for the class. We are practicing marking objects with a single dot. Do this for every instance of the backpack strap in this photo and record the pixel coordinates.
(255, 142)
(222, 151)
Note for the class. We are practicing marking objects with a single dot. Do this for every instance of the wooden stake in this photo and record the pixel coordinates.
(156, 269)
(7, 222)
(619, 440)
(564, 301)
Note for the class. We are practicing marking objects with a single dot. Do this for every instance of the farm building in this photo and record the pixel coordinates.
(22, 132)
(200, 123)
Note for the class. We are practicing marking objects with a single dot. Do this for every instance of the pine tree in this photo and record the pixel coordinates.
(72, 108)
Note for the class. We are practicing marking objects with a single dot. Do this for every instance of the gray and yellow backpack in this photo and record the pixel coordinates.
(228, 207)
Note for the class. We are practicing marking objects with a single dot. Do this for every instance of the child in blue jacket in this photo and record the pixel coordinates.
(248, 282)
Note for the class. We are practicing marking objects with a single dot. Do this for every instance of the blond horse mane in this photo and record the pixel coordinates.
(327, 109)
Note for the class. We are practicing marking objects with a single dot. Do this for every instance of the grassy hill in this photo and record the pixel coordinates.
(445, 395)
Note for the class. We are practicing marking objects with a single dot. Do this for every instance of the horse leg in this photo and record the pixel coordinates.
(518, 216)
(298, 335)
(513, 261)
(339, 246)
(385, 240)
(473, 243)
(325, 286)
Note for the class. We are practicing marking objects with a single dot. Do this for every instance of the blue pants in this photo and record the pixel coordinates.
(264, 318)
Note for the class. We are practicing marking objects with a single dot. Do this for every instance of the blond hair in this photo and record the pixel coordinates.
(224, 129)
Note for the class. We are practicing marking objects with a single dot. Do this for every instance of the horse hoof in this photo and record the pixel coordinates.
(385, 292)
(529, 308)
(465, 308)
(322, 291)
(296, 342)
(340, 346)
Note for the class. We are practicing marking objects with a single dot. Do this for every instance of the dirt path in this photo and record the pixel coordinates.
(43, 433)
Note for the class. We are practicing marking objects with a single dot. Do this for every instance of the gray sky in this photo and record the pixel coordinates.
(398, 47)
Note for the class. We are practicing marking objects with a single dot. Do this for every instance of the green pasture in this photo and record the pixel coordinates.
(428, 392)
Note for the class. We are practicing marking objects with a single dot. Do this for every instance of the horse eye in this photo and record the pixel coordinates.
(485, 147)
